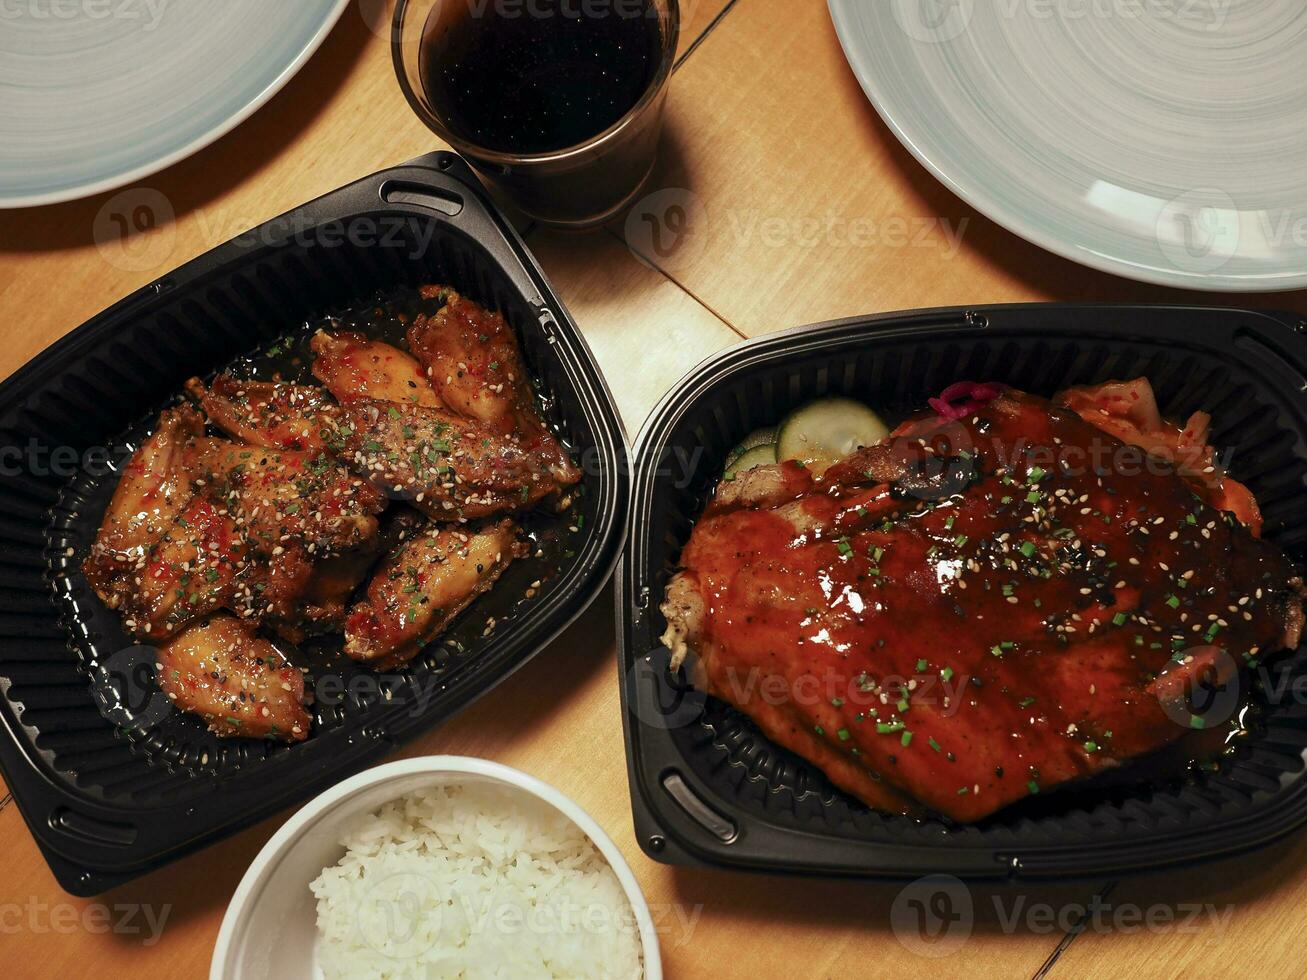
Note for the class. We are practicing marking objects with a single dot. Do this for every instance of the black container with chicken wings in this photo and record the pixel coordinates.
(112, 781)
(708, 787)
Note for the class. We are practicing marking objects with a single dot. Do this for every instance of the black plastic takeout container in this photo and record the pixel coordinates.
(708, 788)
(112, 789)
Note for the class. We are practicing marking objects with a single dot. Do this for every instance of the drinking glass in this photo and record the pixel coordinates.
(576, 186)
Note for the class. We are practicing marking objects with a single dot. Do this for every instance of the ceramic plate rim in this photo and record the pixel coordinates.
(78, 192)
(973, 192)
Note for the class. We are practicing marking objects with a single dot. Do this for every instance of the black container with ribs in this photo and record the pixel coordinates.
(708, 787)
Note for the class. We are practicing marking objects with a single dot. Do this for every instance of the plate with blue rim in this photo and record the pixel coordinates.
(98, 94)
(1161, 140)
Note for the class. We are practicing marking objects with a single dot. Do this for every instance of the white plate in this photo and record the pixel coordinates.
(1163, 140)
(95, 94)
(270, 929)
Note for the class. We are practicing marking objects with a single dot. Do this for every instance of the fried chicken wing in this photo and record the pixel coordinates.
(449, 467)
(353, 366)
(273, 526)
(275, 415)
(472, 357)
(282, 498)
(192, 571)
(312, 601)
(423, 586)
(153, 490)
(239, 684)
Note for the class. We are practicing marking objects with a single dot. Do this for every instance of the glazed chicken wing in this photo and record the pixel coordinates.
(472, 357)
(192, 571)
(239, 684)
(423, 586)
(449, 467)
(153, 490)
(312, 600)
(275, 415)
(352, 366)
(282, 498)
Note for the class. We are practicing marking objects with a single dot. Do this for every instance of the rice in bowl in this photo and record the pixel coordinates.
(473, 881)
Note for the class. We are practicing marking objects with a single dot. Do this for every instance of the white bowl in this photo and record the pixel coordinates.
(270, 929)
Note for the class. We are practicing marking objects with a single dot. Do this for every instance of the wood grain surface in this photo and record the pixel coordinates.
(794, 204)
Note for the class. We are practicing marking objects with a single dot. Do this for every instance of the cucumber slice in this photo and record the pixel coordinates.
(825, 431)
(759, 437)
(764, 455)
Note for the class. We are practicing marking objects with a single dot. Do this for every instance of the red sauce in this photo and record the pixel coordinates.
(1005, 638)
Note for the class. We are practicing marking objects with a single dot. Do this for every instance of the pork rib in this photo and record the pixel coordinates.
(981, 609)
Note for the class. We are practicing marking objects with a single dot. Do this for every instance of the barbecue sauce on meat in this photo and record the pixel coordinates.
(1036, 610)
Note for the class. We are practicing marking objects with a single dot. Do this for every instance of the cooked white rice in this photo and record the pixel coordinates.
(476, 881)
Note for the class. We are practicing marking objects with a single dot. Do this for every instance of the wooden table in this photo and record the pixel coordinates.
(805, 208)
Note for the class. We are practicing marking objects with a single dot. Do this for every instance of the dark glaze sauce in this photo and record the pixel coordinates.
(1004, 637)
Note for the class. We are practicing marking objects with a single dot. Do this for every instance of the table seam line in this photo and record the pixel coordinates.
(1070, 936)
(703, 35)
(678, 284)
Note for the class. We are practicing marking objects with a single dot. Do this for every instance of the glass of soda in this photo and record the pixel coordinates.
(558, 103)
